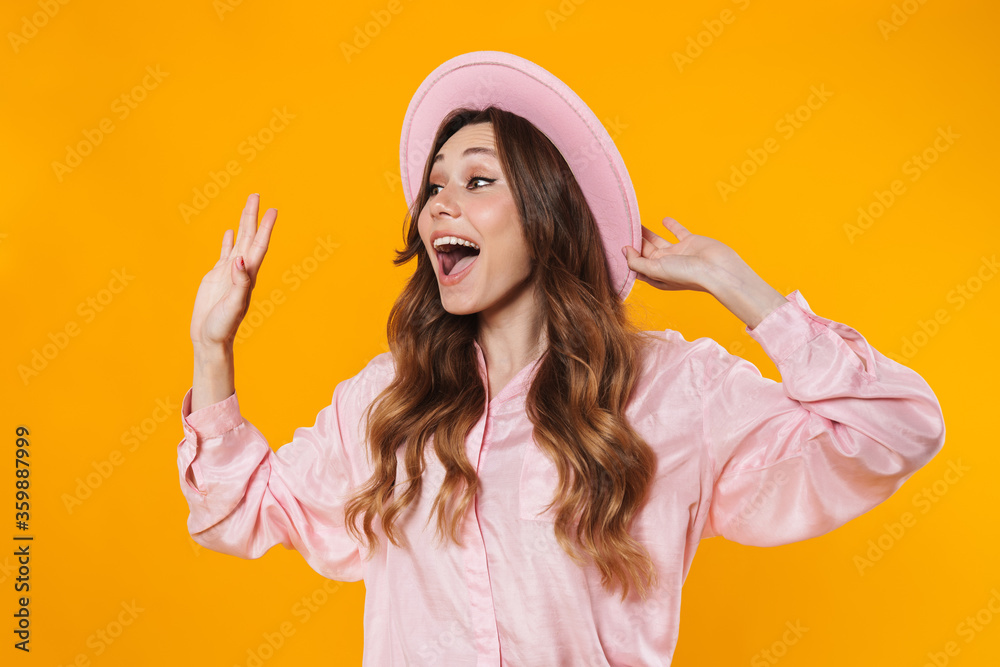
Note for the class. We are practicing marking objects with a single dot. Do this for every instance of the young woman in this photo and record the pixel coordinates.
(525, 477)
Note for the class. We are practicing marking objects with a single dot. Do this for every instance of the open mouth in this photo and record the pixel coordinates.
(455, 258)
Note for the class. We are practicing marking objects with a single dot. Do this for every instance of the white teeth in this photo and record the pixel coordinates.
(449, 240)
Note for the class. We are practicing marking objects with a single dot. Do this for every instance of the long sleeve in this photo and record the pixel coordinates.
(842, 431)
(245, 498)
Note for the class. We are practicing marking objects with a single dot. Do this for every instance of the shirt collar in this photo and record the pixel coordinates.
(518, 384)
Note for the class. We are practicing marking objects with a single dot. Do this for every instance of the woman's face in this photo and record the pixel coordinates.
(471, 199)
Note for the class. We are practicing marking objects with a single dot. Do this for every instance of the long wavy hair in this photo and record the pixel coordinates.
(576, 401)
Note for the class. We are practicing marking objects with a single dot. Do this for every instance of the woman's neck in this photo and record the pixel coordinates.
(511, 340)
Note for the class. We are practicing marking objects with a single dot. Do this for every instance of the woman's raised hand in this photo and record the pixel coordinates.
(224, 294)
(703, 264)
(694, 262)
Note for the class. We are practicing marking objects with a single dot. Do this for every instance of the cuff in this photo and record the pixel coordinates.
(788, 327)
(211, 420)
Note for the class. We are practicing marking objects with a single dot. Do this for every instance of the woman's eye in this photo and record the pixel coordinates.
(481, 178)
(431, 188)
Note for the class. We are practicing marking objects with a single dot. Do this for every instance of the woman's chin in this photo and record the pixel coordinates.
(457, 307)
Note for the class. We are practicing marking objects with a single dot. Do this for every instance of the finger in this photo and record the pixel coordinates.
(643, 268)
(261, 241)
(248, 224)
(638, 263)
(652, 282)
(656, 240)
(227, 244)
(236, 297)
(679, 230)
(658, 284)
(648, 248)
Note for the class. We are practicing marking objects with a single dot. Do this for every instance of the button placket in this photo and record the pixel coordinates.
(482, 611)
(486, 632)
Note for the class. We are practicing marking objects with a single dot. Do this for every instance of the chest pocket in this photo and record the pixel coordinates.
(537, 487)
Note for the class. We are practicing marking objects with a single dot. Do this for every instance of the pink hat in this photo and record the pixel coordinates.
(481, 78)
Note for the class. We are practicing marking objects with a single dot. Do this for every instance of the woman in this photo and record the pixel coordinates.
(571, 463)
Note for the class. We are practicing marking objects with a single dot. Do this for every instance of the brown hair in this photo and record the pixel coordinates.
(580, 391)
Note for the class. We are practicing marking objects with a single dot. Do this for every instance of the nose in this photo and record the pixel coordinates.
(444, 203)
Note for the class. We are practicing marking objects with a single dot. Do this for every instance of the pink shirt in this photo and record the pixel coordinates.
(741, 456)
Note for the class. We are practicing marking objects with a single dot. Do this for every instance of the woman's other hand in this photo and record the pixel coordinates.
(224, 294)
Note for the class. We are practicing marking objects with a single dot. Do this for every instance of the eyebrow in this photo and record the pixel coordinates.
(474, 150)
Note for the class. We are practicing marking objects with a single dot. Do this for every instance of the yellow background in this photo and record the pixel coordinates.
(332, 172)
